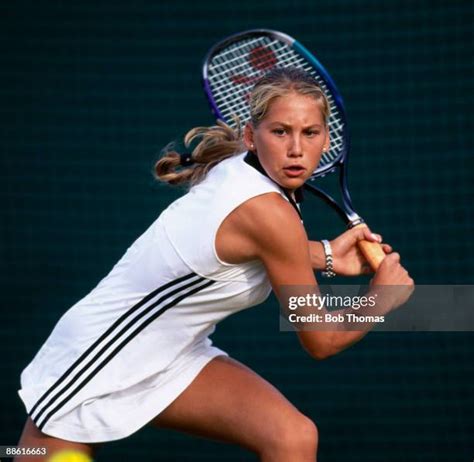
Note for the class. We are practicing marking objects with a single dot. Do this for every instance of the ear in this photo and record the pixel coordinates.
(327, 142)
(248, 137)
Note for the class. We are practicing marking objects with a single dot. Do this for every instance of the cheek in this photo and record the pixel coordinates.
(267, 148)
(319, 156)
(316, 158)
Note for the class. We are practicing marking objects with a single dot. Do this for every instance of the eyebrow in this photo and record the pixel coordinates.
(289, 126)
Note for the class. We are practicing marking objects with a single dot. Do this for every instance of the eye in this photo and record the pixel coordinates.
(312, 132)
(279, 131)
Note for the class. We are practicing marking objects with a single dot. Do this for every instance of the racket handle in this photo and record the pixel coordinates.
(372, 251)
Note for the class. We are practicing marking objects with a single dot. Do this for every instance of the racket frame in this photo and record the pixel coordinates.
(346, 212)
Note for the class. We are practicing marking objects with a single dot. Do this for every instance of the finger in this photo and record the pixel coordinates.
(394, 257)
(378, 237)
(370, 236)
(391, 260)
(387, 248)
(353, 235)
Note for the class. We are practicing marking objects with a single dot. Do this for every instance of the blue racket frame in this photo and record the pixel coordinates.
(346, 212)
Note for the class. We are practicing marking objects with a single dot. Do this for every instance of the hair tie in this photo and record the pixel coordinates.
(186, 159)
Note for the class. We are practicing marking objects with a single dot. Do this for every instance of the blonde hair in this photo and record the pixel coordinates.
(221, 141)
(217, 143)
(281, 82)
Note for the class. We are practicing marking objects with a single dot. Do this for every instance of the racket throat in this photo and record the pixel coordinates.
(354, 221)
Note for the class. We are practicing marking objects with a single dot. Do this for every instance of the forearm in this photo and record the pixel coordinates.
(318, 257)
(341, 340)
(337, 330)
(322, 345)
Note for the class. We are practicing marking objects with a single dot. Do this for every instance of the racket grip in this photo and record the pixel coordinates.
(372, 251)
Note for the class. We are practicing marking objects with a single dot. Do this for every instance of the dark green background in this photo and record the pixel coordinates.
(90, 92)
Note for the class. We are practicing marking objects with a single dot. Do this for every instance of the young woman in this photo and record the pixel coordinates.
(136, 350)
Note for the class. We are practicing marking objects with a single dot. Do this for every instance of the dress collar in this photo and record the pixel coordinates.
(252, 159)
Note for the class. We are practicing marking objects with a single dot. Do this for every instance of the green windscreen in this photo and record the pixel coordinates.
(90, 93)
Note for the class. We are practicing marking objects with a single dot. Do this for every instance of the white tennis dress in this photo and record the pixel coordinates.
(123, 353)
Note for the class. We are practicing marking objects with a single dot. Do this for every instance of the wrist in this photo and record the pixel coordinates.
(329, 260)
(382, 296)
(318, 257)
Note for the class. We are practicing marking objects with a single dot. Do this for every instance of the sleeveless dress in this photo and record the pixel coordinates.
(123, 353)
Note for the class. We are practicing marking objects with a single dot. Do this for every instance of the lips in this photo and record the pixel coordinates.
(294, 170)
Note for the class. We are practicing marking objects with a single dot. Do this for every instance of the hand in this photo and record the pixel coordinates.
(392, 283)
(347, 258)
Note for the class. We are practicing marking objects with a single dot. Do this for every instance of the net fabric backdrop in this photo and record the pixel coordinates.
(89, 94)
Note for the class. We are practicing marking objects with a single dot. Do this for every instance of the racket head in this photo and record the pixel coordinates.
(233, 66)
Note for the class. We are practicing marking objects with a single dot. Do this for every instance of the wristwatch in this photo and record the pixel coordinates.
(329, 271)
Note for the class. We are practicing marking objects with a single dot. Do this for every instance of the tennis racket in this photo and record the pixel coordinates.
(230, 70)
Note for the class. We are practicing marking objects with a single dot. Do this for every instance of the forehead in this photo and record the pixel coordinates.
(295, 107)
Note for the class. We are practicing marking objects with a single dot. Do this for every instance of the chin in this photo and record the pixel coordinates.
(293, 183)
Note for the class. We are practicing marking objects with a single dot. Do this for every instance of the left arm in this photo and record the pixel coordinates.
(348, 260)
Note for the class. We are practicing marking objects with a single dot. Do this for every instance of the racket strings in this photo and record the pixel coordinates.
(250, 78)
(236, 53)
(236, 47)
(234, 70)
(264, 64)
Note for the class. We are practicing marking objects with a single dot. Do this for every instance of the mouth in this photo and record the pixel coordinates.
(294, 170)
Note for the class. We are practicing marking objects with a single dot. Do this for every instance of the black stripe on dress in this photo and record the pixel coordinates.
(183, 291)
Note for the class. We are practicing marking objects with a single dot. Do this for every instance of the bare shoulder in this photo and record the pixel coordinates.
(266, 225)
(271, 220)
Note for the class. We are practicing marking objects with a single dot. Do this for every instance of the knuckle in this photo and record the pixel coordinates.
(393, 258)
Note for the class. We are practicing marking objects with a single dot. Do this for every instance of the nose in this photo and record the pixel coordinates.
(295, 148)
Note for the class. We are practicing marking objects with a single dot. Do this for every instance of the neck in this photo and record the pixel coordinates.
(293, 195)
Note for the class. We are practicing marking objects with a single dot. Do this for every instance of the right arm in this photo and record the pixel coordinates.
(268, 228)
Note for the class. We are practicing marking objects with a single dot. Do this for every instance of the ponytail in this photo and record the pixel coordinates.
(217, 143)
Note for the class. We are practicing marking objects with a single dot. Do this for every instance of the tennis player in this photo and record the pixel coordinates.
(136, 349)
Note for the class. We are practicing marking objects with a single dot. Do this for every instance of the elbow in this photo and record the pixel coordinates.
(319, 345)
(319, 353)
